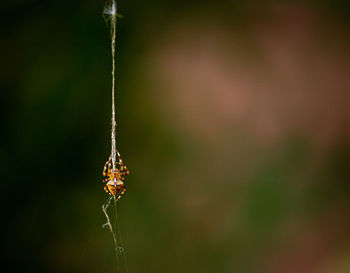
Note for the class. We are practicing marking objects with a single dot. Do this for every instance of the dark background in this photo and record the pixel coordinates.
(233, 118)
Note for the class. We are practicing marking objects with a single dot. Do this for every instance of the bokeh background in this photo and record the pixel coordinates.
(233, 117)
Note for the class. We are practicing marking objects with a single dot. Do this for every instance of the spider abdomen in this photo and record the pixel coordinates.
(115, 187)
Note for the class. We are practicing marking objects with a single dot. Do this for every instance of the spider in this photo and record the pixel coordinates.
(115, 178)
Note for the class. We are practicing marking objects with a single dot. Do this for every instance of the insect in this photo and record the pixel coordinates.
(115, 178)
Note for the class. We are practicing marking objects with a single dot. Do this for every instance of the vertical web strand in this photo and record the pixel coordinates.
(113, 24)
(109, 225)
(110, 15)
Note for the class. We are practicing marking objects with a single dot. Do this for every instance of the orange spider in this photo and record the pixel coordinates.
(115, 178)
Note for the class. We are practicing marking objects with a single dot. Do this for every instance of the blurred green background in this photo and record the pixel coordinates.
(233, 118)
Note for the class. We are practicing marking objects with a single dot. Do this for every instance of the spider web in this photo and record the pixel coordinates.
(110, 15)
(117, 238)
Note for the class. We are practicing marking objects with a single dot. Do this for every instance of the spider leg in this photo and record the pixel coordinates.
(124, 169)
(106, 189)
(108, 163)
(123, 172)
(123, 177)
(105, 180)
(121, 193)
(120, 160)
(119, 156)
